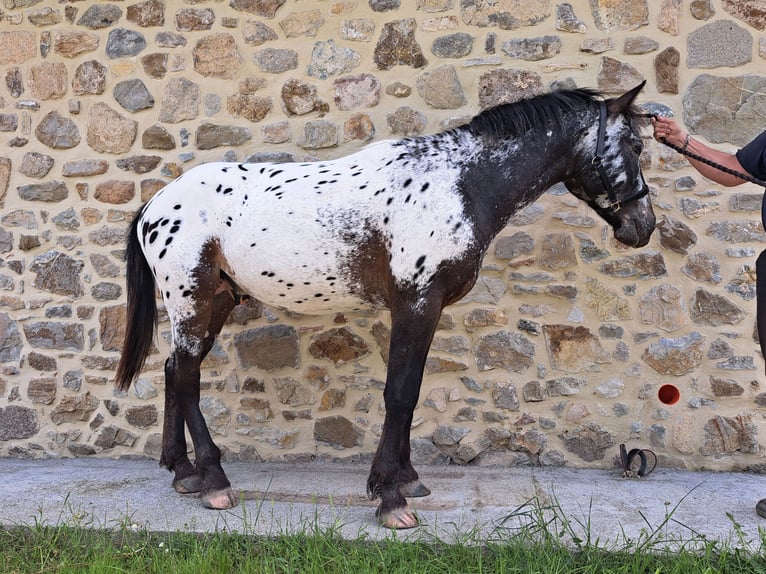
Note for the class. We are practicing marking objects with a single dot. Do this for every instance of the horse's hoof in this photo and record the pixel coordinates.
(414, 489)
(760, 508)
(219, 499)
(398, 519)
(189, 485)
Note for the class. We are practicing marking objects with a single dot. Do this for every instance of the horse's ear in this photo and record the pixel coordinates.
(619, 105)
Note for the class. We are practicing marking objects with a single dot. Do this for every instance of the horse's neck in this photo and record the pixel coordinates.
(504, 177)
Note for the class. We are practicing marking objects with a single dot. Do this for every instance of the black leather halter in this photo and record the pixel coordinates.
(615, 203)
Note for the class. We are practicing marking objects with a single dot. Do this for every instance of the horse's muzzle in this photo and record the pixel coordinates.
(634, 224)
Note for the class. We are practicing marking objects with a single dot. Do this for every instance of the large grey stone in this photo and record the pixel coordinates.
(504, 350)
(268, 348)
(263, 8)
(611, 16)
(719, 44)
(725, 109)
(122, 43)
(329, 59)
(456, 45)
(100, 15)
(180, 101)
(567, 20)
(49, 191)
(441, 88)
(58, 273)
(708, 308)
(35, 164)
(319, 134)
(338, 432)
(209, 135)
(55, 335)
(406, 121)
(617, 77)
(10, 339)
(276, 60)
(589, 442)
(133, 95)
(57, 131)
(506, 86)
(18, 422)
(532, 49)
(505, 14)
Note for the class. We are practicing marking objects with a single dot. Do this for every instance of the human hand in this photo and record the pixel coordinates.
(669, 130)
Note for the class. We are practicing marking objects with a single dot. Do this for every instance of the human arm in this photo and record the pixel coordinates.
(669, 129)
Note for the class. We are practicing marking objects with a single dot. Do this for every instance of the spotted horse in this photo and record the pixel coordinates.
(400, 224)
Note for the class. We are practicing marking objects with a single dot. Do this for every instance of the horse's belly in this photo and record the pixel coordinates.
(301, 280)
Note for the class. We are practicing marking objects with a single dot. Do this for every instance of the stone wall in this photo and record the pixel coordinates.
(555, 357)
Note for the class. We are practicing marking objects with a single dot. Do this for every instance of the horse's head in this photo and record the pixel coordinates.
(608, 177)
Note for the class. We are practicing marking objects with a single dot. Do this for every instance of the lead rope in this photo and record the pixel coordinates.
(718, 166)
(647, 462)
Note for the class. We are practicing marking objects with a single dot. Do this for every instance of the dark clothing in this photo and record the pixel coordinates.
(753, 157)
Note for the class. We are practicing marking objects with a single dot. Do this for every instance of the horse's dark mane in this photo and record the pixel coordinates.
(520, 117)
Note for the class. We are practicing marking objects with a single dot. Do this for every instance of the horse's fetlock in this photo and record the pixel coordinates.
(373, 489)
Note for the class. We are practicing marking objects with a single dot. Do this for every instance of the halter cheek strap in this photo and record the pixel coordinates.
(615, 203)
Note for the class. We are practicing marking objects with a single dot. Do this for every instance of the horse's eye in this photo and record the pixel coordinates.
(638, 147)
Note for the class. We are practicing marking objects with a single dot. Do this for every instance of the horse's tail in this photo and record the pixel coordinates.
(141, 320)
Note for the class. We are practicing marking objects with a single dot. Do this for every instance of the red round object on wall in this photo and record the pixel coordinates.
(669, 394)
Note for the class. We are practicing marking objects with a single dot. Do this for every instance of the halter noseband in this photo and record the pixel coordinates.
(615, 203)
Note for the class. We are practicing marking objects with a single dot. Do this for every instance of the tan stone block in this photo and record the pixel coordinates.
(17, 47)
(73, 44)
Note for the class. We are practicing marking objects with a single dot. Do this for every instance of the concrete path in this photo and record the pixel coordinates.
(486, 503)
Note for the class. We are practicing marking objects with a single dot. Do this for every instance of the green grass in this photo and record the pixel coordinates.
(533, 538)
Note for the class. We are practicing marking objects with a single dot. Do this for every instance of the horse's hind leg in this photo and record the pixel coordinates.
(174, 456)
(193, 338)
(174, 449)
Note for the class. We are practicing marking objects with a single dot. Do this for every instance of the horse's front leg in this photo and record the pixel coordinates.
(411, 334)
